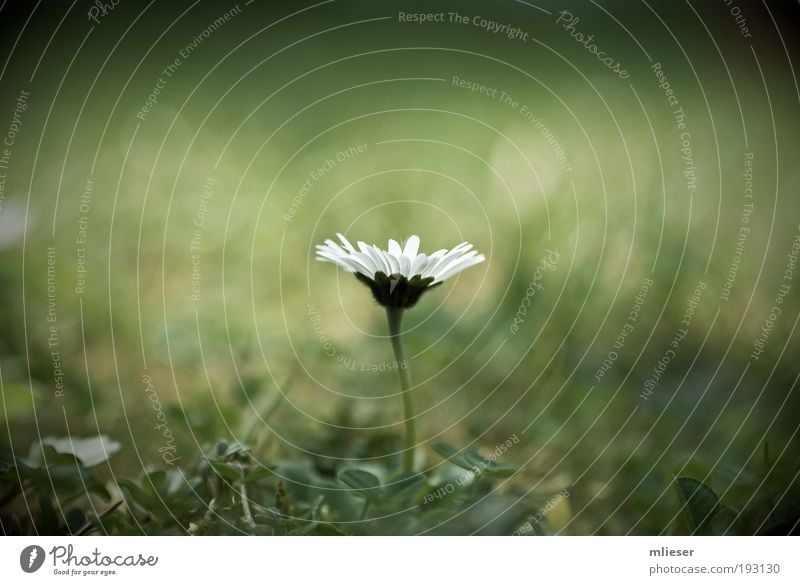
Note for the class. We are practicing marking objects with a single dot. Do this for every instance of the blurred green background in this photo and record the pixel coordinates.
(367, 112)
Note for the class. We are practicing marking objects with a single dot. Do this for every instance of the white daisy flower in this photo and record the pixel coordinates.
(398, 276)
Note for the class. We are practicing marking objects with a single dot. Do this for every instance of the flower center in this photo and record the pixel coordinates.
(396, 290)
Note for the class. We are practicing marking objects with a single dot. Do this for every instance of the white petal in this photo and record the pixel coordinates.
(452, 262)
(332, 251)
(435, 267)
(377, 258)
(387, 270)
(418, 265)
(348, 246)
(433, 259)
(407, 261)
(366, 260)
(350, 262)
(472, 261)
(394, 264)
(339, 261)
(412, 247)
(328, 255)
(405, 265)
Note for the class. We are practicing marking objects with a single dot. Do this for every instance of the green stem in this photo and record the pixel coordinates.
(395, 316)
(246, 513)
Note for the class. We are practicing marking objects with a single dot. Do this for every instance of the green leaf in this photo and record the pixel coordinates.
(43, 456)
(403, 486)
(153, 483)
(726, 521)
(232, 452)
(500, 470)
(98, 488)
(133, 494)
(454, 456)
(257, 473)
(231, 473)
(362, 481)
(475, 462)
(46, 468)
(699, 503)
(487, 466)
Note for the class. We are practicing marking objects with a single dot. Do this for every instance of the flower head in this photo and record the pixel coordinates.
(398, 276)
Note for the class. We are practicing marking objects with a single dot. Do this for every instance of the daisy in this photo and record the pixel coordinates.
(397, 278)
